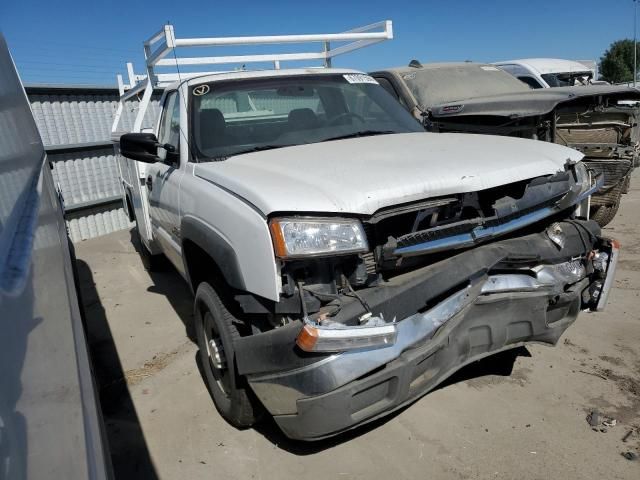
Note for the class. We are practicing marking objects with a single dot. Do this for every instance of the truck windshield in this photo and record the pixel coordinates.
(230, 118)
(436, 84)
(567, 79)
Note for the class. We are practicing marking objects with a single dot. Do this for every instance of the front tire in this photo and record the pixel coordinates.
(607, 207)
(216, 332)
(605, 214)
(626, 186)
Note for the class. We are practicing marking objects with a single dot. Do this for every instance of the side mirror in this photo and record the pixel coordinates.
(142, 147)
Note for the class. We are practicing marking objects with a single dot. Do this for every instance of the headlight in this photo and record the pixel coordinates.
(582, 176)
(587, 183)
(557, 235)
(300, 237)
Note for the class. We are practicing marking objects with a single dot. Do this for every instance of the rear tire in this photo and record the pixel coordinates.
(151, 263)
(217, 332)
(128, 207)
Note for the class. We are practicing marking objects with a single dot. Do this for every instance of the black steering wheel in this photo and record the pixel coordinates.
(343, 116)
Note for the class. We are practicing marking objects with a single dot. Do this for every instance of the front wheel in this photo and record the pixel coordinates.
(603, 213)
(216, 332)
(627, 184)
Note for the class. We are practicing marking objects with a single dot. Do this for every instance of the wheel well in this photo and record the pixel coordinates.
(201, 266)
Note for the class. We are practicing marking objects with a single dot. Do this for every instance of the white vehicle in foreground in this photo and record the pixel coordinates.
(344, 262)
(548, 72)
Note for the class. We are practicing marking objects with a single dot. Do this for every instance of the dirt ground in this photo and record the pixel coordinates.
(521, 414)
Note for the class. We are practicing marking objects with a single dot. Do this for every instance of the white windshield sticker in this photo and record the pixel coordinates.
(359, 78)
(201, 90)
(490, 69)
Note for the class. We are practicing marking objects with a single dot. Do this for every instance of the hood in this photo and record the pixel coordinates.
(363, 175)
(531, 102)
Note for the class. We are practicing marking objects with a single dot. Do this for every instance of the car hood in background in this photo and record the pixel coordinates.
(363, 175)
(532, 102)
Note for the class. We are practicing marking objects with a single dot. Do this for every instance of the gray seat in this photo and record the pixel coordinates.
(302, 119)
(212, 131)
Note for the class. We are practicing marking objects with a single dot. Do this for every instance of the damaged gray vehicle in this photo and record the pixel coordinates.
(600, 121)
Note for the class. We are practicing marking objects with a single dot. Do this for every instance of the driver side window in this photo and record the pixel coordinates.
(170, 126)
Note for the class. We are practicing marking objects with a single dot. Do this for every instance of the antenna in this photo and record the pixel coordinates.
(186, 138)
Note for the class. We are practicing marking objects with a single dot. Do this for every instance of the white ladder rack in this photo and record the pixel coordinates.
(164, 42)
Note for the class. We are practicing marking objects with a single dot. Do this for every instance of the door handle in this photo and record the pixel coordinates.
(149, 183)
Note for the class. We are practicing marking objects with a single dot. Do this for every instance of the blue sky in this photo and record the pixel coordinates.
(73, 41)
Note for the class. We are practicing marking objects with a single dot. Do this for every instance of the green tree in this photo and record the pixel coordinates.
(616, 65)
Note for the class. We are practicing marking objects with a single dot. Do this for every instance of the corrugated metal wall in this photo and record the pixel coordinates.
(75, 125)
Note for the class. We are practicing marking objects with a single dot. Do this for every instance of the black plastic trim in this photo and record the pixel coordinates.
(220, 251)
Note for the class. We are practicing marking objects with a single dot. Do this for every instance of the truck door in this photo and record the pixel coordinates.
(163, 182)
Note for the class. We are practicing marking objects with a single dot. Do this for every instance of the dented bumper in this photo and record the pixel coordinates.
(454, 312)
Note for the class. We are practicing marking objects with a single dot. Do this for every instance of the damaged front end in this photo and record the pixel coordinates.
(417, 292)
(609, 137)
(602, 123)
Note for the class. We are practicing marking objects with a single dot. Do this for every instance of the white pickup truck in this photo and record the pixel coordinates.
(344, 262)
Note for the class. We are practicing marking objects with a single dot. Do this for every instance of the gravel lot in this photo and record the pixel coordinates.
(521, 414)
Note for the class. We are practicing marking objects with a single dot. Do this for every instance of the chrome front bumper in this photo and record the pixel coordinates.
(533, 305)
(614, 255)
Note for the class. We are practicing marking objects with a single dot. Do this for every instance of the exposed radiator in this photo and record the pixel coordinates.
(569, 136)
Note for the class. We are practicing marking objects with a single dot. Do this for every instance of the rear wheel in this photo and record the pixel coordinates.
(151, 263)
(217, 332)
(128, 206)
